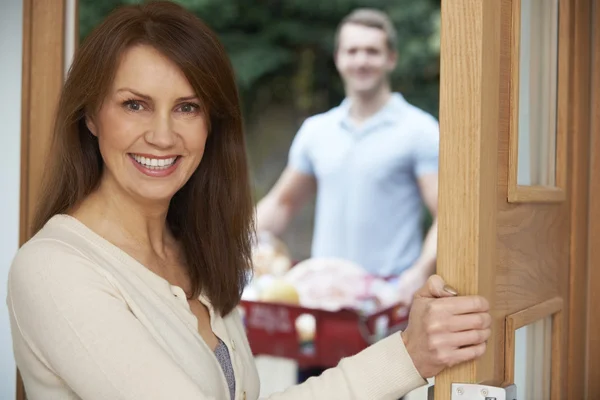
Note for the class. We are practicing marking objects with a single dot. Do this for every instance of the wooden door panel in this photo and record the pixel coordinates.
(532, 250)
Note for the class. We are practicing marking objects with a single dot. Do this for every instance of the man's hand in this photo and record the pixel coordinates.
(444, 329)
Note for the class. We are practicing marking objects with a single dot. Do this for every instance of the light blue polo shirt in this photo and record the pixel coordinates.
(368, 207)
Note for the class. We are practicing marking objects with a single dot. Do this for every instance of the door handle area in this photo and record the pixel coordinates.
(473, 391)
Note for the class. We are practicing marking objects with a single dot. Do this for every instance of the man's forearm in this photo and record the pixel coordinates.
(272, 216)
(427, 260)
(277, 209)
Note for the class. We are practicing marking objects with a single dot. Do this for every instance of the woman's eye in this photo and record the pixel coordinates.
(133, 105)
(189, 108)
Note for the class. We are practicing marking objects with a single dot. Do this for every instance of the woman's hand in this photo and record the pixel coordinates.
(445, 329)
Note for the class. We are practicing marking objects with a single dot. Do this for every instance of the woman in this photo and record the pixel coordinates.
(128, 289)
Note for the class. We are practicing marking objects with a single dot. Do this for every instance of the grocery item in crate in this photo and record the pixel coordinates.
(280, 291)
(333, 284)
(270, 255)
(306, 328)
(270, 288)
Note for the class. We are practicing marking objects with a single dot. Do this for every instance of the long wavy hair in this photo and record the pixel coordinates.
(212, 214)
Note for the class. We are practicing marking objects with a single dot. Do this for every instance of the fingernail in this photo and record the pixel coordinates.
(450, 290)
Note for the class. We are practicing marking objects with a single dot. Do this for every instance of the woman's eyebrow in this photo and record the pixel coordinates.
(146, 97)
(188, 98)
(143, 96)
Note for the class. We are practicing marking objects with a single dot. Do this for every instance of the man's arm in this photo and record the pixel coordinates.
(414, 277)
(291, 192)
(428, 184)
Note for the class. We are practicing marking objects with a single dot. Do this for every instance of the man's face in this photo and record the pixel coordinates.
(363, 58)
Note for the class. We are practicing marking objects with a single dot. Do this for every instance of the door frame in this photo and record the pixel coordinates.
(50, 34)
(580, 131)
(592, 386)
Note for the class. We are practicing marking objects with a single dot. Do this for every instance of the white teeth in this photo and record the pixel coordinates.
(154, 163)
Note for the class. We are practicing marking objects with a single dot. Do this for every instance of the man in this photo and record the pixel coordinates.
(372, 163)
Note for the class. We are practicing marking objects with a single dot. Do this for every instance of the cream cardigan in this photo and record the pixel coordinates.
(90, 322)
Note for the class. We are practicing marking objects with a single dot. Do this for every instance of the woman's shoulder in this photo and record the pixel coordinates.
(53, 241)
(54, 254)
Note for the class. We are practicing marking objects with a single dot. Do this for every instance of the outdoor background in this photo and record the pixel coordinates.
(282, 53)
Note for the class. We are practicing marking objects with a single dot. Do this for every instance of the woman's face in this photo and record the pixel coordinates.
(150, 128)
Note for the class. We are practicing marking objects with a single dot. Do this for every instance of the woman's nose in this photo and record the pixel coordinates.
(161, 133)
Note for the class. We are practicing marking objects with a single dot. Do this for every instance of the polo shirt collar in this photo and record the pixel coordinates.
(390, 113)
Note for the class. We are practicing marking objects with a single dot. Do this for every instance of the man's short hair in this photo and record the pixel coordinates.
(371, 18)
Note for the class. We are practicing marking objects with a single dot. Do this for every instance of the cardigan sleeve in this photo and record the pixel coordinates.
(380, 372)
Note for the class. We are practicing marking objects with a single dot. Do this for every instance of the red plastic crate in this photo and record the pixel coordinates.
(271, 330)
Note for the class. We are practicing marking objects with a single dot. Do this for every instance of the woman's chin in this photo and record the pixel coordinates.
(151, 197)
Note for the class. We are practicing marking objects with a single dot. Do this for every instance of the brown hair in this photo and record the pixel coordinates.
(212, 215)
(371, 18)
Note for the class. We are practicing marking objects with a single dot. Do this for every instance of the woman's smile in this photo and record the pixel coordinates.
(155, 166)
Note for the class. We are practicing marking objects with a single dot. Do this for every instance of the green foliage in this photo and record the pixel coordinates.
(282, 50)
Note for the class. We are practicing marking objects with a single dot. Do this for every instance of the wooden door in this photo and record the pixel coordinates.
(514, 169)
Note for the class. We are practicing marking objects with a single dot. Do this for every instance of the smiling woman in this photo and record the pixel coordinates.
(142, 247)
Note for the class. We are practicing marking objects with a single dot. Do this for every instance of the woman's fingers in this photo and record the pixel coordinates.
(466, 322)
(466, 354)
(468, 338)
(435, 287)
(463, 305)
(445, 350)
(439, 312)
(455, 314)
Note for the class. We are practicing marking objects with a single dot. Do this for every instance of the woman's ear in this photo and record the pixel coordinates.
(89, 122)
